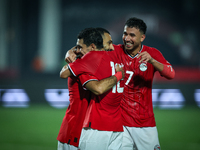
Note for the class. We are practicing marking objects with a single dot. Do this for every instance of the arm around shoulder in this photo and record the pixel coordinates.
(102, 86)
(65, 72)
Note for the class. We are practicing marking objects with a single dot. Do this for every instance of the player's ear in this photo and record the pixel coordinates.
(143, 36)
(93, 47)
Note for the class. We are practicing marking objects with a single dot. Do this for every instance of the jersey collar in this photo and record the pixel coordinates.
(136, 54)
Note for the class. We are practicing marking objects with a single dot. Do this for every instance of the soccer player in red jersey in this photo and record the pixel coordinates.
(70, 130)
(71, 126)
(140, 63)
(103, 125)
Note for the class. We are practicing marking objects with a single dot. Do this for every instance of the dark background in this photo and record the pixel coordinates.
(36, 34)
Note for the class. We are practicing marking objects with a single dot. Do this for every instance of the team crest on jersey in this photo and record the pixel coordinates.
(157, 147)
(143, 66)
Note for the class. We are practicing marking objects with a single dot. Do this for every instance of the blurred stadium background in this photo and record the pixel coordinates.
(36, 34)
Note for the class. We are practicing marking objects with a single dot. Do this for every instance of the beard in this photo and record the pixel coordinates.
(131, 47)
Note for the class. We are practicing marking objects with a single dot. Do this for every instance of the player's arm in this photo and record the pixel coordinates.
(65, 72)
(70, 57)
(165, 70)
(102, 86)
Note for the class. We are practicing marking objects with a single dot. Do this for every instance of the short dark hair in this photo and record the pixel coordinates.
(102, 31)
(137, 23)
(91, 35)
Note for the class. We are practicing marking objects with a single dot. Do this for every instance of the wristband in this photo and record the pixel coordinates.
(118, 75)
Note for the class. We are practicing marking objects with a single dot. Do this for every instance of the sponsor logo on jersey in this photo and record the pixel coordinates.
(143, 66)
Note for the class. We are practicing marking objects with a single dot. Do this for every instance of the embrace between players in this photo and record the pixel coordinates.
(110, 91)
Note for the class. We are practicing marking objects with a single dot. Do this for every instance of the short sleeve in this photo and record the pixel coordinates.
(85, 78)
(87, 64)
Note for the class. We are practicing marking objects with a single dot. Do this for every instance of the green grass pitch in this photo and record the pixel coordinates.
(36, 128)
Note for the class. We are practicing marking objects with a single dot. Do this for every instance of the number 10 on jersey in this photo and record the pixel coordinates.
(117, 87)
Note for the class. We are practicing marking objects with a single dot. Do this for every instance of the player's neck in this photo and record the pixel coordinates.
(134, 52)
(102, 49)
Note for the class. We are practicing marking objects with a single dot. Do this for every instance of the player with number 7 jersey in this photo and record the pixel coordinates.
(136, 104)
(104, 111)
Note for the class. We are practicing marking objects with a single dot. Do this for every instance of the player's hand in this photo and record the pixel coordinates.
(119, 68)
(71, 55)
(145, 57)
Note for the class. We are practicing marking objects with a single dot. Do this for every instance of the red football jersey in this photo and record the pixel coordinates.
(72, 124)
(136, 104)
(104, 112)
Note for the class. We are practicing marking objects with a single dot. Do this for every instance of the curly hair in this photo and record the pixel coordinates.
(91, 35)
(137, 23)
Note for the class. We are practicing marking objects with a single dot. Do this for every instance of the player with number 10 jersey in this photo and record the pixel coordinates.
(104, 112)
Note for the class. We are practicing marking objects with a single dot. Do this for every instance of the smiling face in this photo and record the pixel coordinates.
(132, 38)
